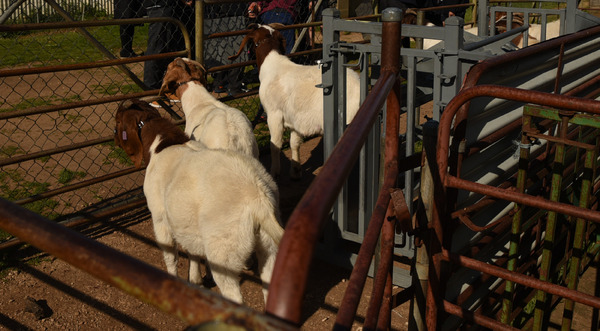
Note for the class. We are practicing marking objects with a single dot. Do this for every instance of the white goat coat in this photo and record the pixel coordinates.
(215, 124)
(215, 204)
(291, 99)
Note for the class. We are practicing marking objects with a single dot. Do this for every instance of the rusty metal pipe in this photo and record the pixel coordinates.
(475, 73)
(88, 65)
(502, 92)
(171, 294)
(477, 318)
(525, 199)
(540, 98)
(580, 297)
(307, 219)
(77, 104)
(304, 225)
(383, 270)
(390, 61)
(86, 218)
(73, 187)
(290, 274)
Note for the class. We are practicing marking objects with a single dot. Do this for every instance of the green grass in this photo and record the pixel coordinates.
(21, 188)
(39, 102)
(115, 88)
(65, 176)
(47, 48)
(117, 154)
(10, 150)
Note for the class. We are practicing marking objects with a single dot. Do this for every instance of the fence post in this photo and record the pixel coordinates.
(199, 35)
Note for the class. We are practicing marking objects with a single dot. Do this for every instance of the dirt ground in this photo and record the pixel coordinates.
(48, 294)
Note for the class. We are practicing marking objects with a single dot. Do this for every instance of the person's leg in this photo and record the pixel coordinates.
(126, 34)
(159, 39)
(126, 9)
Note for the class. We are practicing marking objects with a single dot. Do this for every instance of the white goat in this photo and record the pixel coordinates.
(290, 96)
(208, 120)
(217, 204)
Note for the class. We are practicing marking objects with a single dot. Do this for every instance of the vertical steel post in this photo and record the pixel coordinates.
(543, 299)
(418, 304)
(524, 151)
(482, 18)
(578, 241)
(199, 34)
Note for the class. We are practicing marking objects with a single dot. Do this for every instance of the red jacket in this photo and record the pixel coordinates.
(287, 5)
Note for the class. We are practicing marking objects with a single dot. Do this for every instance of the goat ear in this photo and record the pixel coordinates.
(281, 40)
(197, 72)
(277, 26)
(180, 62)
(242, 45)
(172, 75)
(131, 142)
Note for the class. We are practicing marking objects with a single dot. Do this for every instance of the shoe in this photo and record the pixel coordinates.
(126, 54)
(245, 88)
(172, 97)
(155, 104)
(220, 89)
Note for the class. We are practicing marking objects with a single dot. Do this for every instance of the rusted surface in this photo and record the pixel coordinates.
(509, 93)
(568, 108)
(358, 276)
(374, 312)
(304, 226)
(528, 281)
(485, 321)
(172, 295)
(477, 71)
(86, 218)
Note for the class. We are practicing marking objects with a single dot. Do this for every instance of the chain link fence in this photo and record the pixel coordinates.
(63, 73)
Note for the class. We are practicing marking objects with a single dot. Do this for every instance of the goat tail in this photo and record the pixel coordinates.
(266, 217)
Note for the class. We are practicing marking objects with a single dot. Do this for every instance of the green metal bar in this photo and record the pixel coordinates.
(590, 120)
(542, 299)
(507, 302)
(578, 241)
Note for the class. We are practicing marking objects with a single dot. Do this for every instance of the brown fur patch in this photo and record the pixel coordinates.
(262, 42)
(181, 71)
(138, 124)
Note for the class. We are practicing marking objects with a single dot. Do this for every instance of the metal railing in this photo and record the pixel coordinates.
(197, 306)
(523, 220)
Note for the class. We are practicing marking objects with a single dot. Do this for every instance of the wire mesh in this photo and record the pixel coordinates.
(57, 157)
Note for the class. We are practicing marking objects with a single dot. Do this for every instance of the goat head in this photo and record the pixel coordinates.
(129, 119)
(181, 71)
(263, 34)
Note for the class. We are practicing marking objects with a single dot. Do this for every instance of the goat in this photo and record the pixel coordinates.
(208, 120)
(289, 94)
(214, 203)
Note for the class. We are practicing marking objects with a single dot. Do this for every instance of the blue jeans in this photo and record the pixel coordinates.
(285, 18)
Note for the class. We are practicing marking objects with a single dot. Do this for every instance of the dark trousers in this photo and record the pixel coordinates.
(163, 37)
(127, 9)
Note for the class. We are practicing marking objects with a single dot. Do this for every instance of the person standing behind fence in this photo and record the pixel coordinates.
(128, 9)
(276, 11)
(164, 37)
(223, 17)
